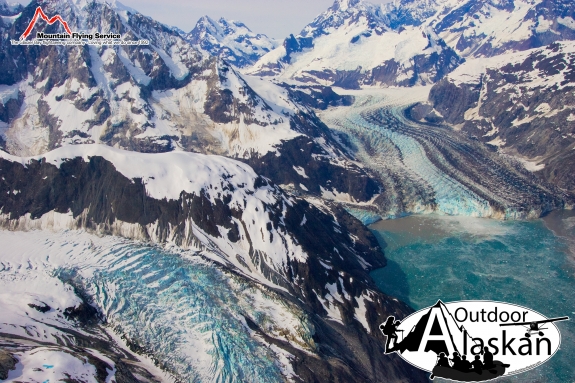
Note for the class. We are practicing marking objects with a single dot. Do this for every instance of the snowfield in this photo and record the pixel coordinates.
(167, 176)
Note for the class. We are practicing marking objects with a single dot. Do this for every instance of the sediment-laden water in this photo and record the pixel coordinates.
(530, 263)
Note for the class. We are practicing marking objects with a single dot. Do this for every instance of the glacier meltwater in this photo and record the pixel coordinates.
(529, 263)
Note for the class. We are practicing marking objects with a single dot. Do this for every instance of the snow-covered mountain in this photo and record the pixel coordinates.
(315, 257)
(522, 103)
(352, 44)
(10, 9)
(157, 98)
(411, 42)
(480, 28)
(156, 187)
(231, 40)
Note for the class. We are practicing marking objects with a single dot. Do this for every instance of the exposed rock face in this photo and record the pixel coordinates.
(318, 258)
(7, 363)
(230, 40)
(10, 9)
(304, 165)
(317, 96)
(521, 104)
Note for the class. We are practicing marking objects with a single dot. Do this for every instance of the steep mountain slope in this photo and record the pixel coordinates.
(412, 42)
(352, 44)
(231, 40)
(521, 103)
(317, 258)
(478, 28)
(156, 98)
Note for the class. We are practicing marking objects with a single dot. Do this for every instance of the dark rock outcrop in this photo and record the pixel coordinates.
(305, 164)
(523, 107)
(317, 96)
(7, 363)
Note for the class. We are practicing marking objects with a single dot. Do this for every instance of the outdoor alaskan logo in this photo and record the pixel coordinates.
(69, 37)
(473, 341)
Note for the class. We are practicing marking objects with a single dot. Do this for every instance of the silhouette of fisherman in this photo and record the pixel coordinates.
(466, 366)
(456, 361)
(477, 365)
(487, 358)
(443, 361)
(389, 329)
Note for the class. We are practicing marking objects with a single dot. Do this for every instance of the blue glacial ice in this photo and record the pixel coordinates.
(414, 184)
(184, 312)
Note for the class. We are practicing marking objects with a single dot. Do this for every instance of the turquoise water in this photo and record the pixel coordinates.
(530, 263)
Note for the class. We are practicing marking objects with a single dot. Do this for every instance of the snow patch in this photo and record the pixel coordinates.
(301, 171)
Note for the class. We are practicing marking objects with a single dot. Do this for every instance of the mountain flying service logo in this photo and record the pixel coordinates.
(69, 37)
(40, 12)
(472, 341)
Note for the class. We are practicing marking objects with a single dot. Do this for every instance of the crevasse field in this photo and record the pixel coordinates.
(183, 310)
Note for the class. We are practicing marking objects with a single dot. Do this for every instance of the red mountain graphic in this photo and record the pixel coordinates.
(40, 12)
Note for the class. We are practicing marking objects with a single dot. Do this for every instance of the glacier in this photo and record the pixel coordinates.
(184, 310)
(427, 168)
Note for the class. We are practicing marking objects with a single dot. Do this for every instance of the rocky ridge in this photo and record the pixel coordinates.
(376, 54)
(475, 28)
(412, 42)
(520, 104)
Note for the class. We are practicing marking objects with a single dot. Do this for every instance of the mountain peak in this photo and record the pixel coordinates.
(10, 9)
(345, 4)
(346, 13)
(232, 40)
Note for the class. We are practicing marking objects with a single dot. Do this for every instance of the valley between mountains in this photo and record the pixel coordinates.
(195, 210)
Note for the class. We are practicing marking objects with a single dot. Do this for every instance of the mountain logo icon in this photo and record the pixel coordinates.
(472, 341)
(40, 13)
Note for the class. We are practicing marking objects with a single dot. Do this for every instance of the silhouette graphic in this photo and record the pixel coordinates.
(413, 339)
(443, 361)
(465, 364)
(40, 12)
(456, 361)
(441, 334)
(389, 329)
(477, 365)
(533, 327)
(487, 358)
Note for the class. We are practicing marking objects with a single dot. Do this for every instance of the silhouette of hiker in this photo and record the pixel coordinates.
(456, 361)
(465, 364)
(389, 329)
(487, 358)
(477, 365)
(443, 361)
